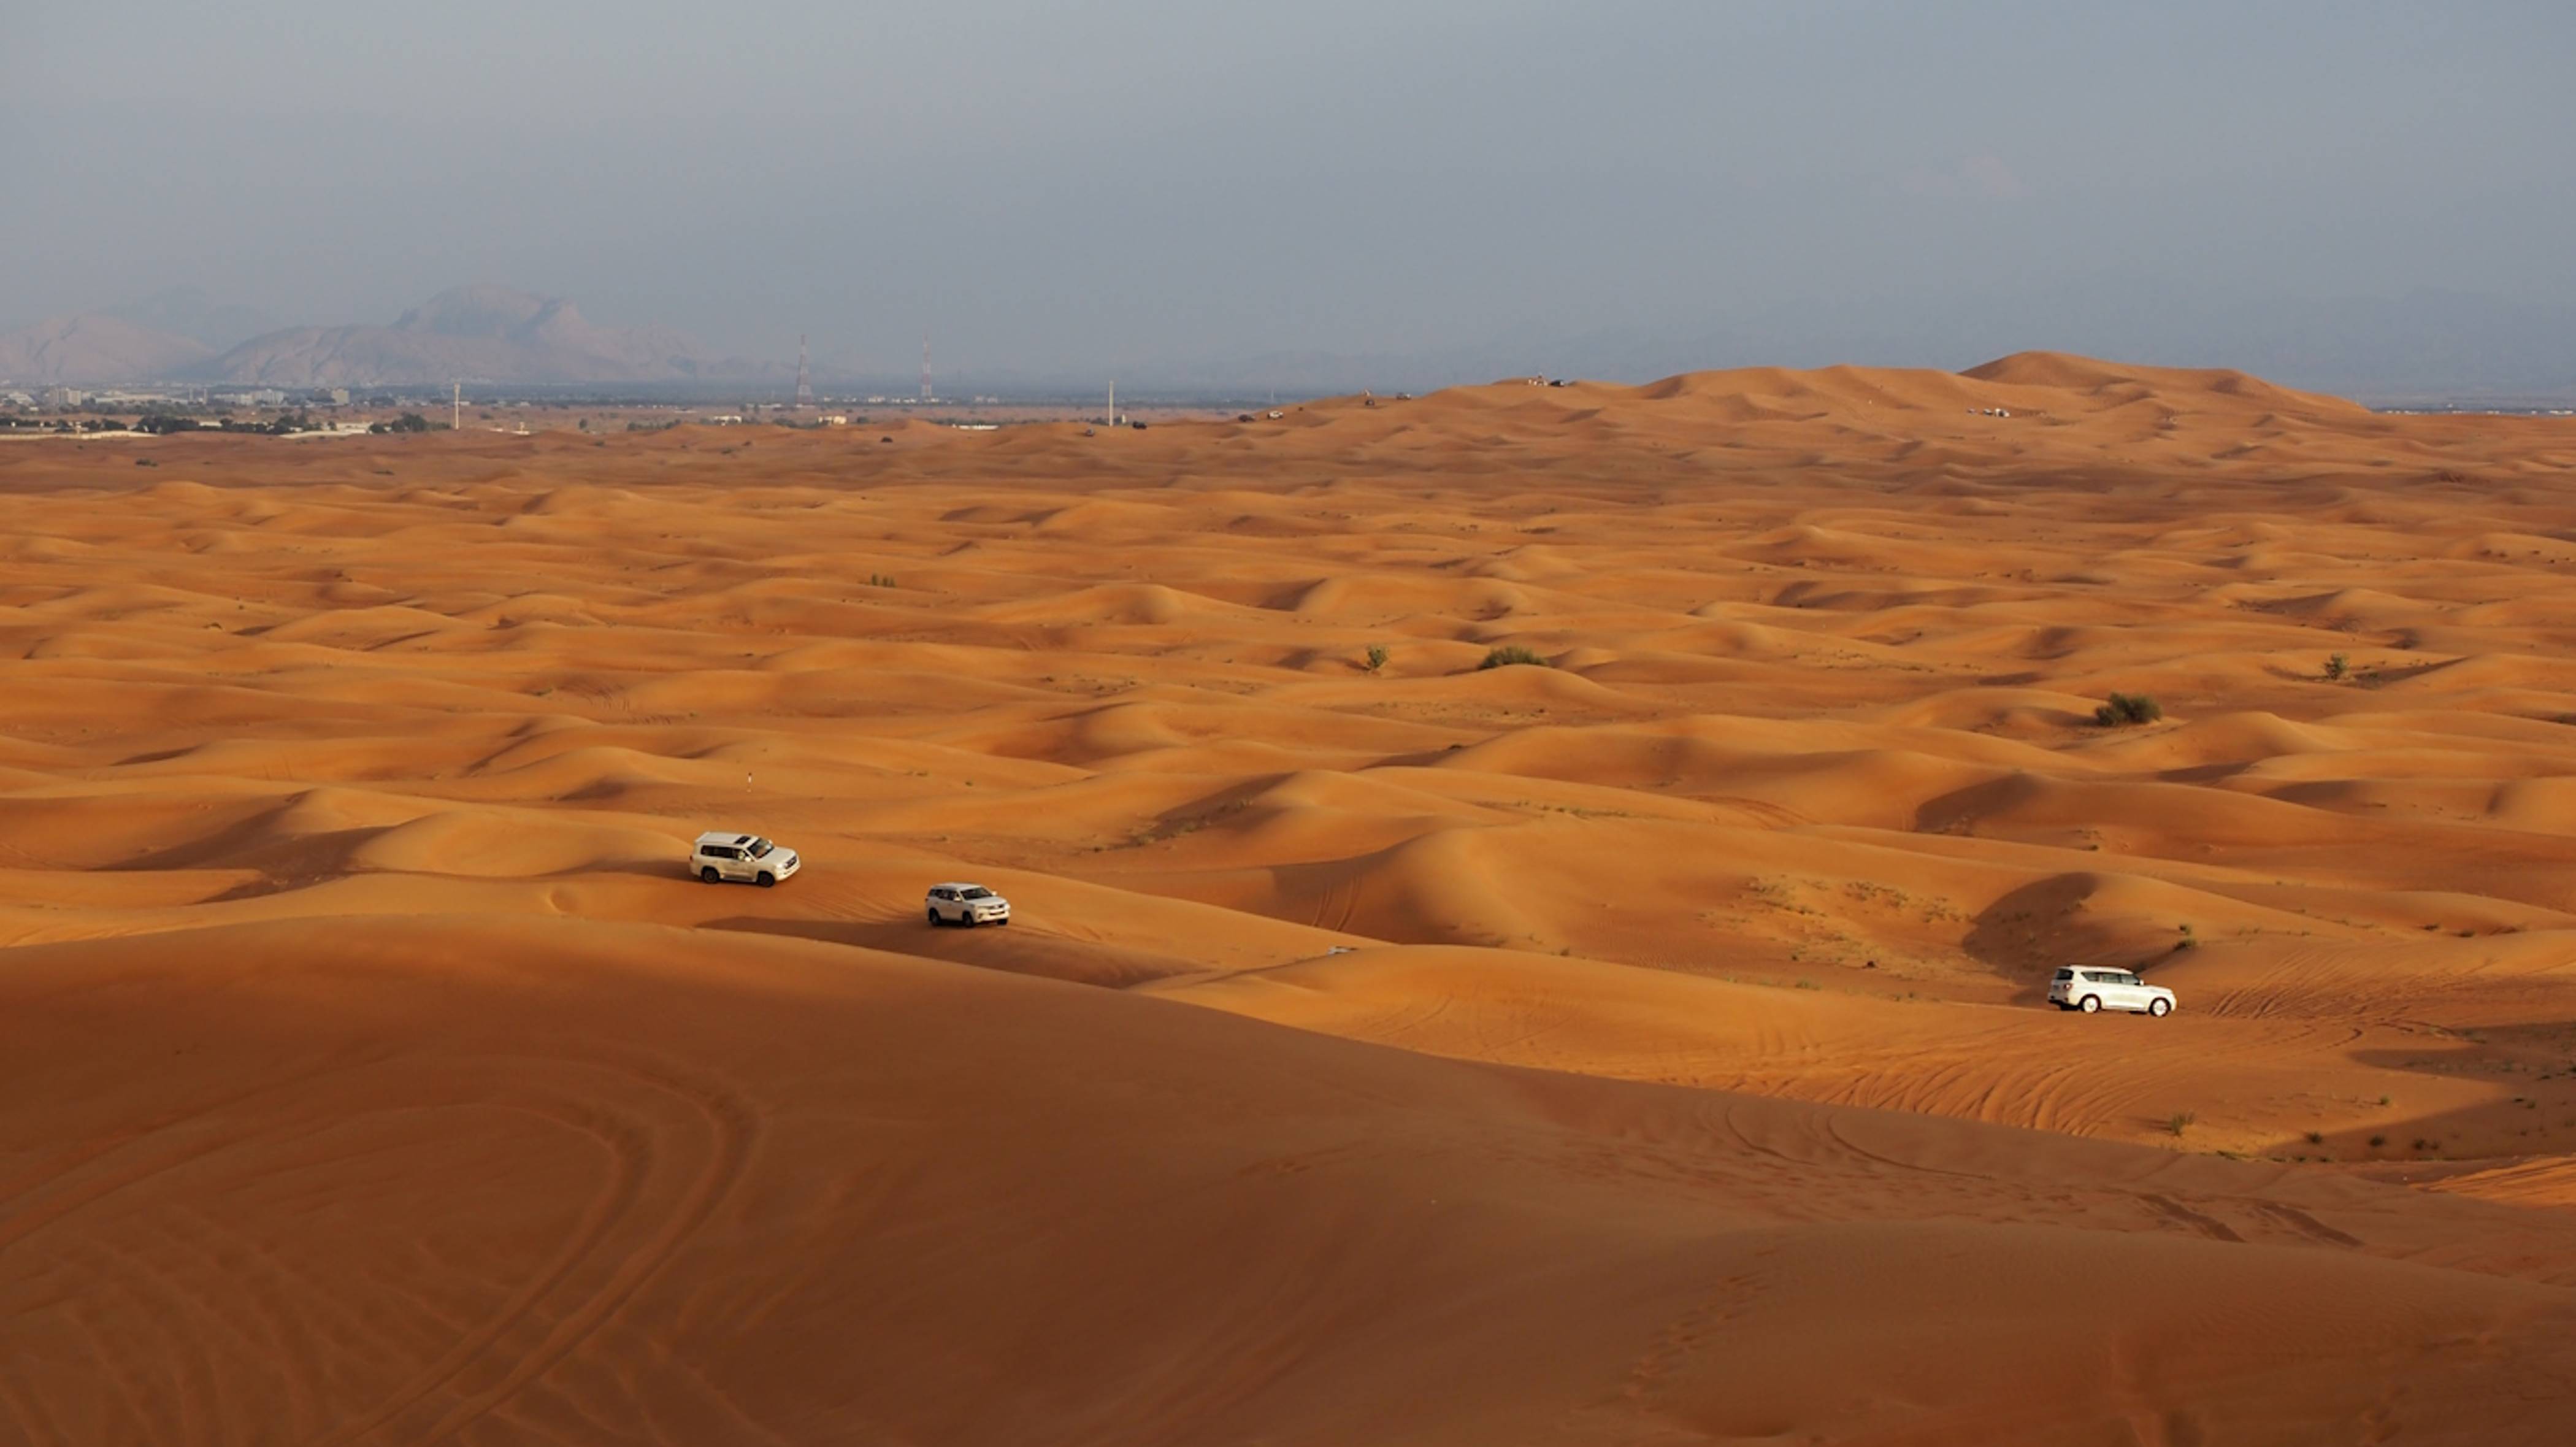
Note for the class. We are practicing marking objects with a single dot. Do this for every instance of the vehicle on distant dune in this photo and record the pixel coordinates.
(2091, 990)
(966, 904)
(720, 855)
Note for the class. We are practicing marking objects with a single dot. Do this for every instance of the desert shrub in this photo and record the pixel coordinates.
(2180, 1121)
(1505, 657)
(2336, 666)
(1376, 657)
(2377, 1141)
(2316, 1137)
(2125, 709)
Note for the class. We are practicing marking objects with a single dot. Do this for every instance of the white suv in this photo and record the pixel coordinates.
(718, 857)
(2091, 990)
(967, 904)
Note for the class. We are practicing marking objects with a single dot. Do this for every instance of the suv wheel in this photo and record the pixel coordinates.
(709, 875)
(2092, 1004)
(934, 916)
(767, 879)
(2159, 1008)
(966, 917)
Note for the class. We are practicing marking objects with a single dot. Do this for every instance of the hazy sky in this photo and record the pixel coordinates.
(1051, 186)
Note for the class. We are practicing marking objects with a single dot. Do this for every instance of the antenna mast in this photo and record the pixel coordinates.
(456, 407)
(804, 381)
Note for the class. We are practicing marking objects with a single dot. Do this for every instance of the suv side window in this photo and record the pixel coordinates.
(720, 851)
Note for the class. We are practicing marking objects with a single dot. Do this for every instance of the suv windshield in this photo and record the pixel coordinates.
(978, 892)
(759, 849)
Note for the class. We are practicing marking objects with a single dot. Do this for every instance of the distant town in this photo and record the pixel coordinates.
(109, 412)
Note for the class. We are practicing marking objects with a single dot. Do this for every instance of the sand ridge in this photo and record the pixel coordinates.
(345, 949)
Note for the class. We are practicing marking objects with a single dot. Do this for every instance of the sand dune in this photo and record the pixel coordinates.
(460, 1183)
(1644, 1047)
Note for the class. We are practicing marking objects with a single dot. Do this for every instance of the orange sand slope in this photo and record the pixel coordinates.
(379, 1077)
(581, 1182)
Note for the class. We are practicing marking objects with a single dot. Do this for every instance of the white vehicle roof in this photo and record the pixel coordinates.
(958, 884)
(725, 836)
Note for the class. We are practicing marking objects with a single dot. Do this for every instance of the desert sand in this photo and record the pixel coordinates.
(1647, 1047)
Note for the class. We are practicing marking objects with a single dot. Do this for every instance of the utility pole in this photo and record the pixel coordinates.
(1113, 404)
(456, 407)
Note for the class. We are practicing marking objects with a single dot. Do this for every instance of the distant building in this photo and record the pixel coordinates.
(64, 397)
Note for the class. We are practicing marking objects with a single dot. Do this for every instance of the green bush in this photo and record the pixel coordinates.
(1505, 657)
(1376, 657)
(2336, 666)
(2125, 709)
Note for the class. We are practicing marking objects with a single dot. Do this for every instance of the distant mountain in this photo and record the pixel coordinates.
(474, 334)
(187, 311)
(94, 348)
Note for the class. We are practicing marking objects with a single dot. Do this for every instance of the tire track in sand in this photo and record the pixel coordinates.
(482, 1370)
(665, 1131)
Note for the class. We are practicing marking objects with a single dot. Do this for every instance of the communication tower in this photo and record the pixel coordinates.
(925, 366)
(804, 381)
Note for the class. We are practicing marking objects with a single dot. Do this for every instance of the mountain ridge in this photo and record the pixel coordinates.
(480, 333)
(94, 347)
(474, 333)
